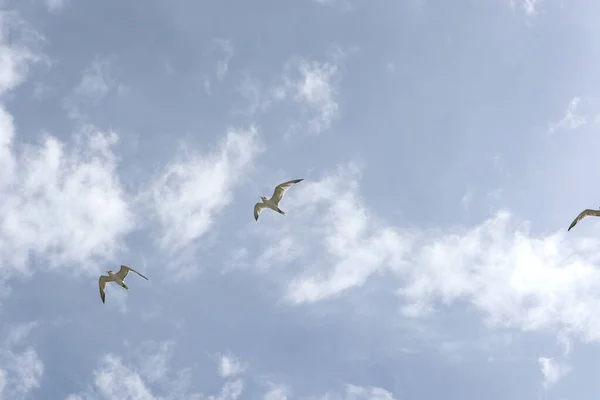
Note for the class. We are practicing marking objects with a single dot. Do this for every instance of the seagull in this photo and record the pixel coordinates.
(583, 214)
(273, 202)
(119, 278)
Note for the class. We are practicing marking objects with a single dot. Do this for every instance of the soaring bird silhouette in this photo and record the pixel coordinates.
(273, 202)
(118, 278)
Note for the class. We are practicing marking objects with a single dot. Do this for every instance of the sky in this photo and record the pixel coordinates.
(445, 148)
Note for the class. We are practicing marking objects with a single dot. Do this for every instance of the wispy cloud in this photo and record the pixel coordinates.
(552, 371)
(149, 375)
(353, 243)
(56, 6)
(277, 392)
(308, 84)
(196, 187)
(354, 392)
(20, 371)
(130, 378)
(223, 65)
(572, 119)
(230, 366)
(97, 80)
(17, 40)
(345, 5)
(528, 6)
(467, 199)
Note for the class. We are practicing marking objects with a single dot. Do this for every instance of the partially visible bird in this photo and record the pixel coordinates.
(273, 202)
(118, 278)
(583, 214)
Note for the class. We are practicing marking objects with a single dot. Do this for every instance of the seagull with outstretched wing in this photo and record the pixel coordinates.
(118, 278)
(582, 215)
(273, 202)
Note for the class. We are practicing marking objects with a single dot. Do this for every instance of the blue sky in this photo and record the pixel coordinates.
(445, 146)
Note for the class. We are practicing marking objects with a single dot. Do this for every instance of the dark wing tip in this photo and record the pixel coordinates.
(572, 225)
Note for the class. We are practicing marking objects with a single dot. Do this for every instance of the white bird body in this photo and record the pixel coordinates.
(118, 278)
(272, 205)
(273, 202)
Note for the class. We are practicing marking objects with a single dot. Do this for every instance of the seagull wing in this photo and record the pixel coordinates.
(583, 214)
(125, 270)
(102, 284)
(258, 207)
(281, 189)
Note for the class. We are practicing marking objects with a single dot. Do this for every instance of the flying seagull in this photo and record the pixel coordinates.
(273, 202)
(118, 278)
(583, 214)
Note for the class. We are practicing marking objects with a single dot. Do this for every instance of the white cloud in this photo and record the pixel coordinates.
(313, 89)
(64, 203)
(572, 119)
(514, 278)
(308, 84)
(277, 392)
(113, 379)
(355, 244)
(148, 376)
(194, 189)
(552, 370)
(354, 392)
(16, 56)
(20, 372)
(350, 392)
(528, 6)
(230, 366)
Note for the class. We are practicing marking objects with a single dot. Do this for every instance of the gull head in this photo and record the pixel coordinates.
(262, 198)
(109, 271)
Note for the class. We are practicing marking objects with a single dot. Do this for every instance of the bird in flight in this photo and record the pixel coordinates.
(273, 202)
(119, 278)
(583, 214)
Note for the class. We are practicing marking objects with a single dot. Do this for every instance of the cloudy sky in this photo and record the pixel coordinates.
(445, 146)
